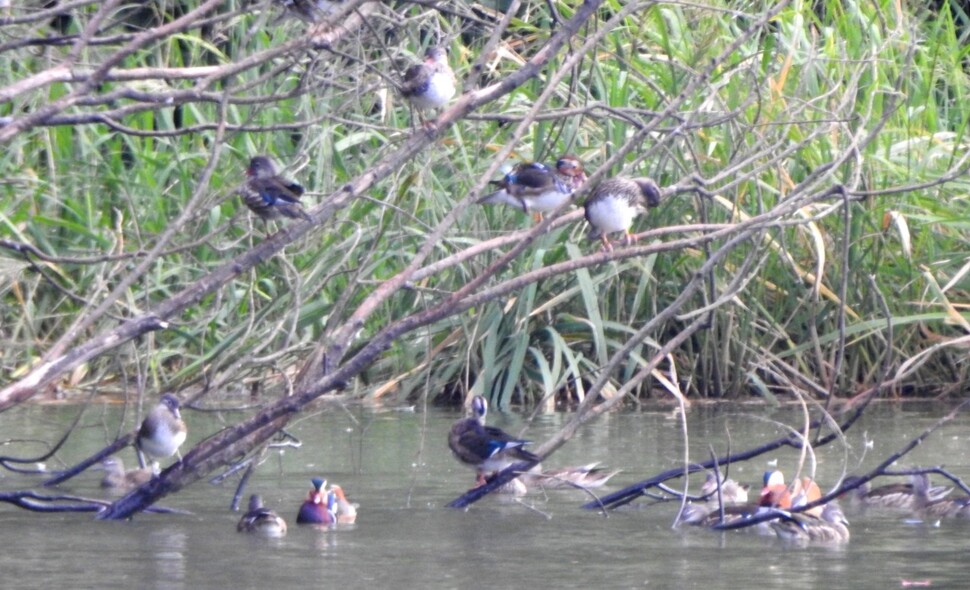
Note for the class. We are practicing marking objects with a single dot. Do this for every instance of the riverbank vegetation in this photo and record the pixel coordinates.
(840, 131)
(812, 239)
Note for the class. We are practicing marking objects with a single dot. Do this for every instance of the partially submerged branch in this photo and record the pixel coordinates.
(793, 440)
(858, 481)
(35, 502)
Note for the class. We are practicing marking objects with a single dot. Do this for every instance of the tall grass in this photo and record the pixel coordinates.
(770, 115)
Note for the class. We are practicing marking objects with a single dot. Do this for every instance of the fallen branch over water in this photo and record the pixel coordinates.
(65, 503)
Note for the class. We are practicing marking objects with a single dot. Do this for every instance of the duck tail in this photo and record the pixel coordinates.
(500, 197)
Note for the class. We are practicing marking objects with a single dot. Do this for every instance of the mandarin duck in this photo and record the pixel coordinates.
(584, 476)
(706, 512)
(271, 196)
(117, 479)
(806, 491)
(895, 495)
(615, 204)
(536, 479)
(829, 526)
(775, 500)
(736, 508)
(346, 512)
(485, 448)
(431, 84)
(162, 431)
(731, 491)
(775, 493)
(927, 506)
(261, 520)
(320, 506)
(538, 188)
(708, 515)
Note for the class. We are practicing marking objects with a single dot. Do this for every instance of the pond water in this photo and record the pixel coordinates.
(397, 466)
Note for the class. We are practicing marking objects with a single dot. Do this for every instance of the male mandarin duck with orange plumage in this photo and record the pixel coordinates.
(320, 506)
(775, 493)
(346, 511)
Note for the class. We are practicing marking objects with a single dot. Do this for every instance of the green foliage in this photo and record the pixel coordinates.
(776, 105)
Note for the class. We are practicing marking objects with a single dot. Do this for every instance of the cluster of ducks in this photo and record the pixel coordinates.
(533, 187)
(488, 450)
(773, 513)
(485, 448)
(161, 434)
(724, 504)
(917, 496)
(775, 503)
(323, 506)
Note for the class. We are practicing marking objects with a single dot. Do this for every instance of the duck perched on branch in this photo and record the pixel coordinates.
(271, 196)
(162, 431)
(588, 476)
(584, 477)
(485, 448)
(615, 204)
(431, 84)
(538, 188)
